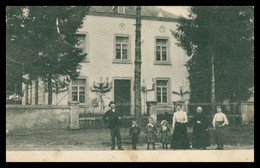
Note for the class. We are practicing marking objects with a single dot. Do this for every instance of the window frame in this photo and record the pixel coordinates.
(168, 91)
(168, 59)
(85, 90)
(116, 9)
(86, 46)
(129, 57)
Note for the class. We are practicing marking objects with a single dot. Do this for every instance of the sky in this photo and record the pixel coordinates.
(178, 10)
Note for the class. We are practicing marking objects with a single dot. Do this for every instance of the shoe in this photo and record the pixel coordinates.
(112, 148)
(120, 149)
(147, 148)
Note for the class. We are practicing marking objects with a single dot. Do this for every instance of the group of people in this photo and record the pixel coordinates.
(175, 136)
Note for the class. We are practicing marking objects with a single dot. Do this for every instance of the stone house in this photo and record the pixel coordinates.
(108, 38)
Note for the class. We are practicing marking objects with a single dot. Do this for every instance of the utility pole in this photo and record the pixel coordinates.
(212, 43)
(137, 72)
(212, 82)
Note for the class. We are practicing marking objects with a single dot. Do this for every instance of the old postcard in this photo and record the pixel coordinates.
(130, 84)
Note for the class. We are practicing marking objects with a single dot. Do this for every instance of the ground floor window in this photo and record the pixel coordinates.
(162, 91)
(78, 90)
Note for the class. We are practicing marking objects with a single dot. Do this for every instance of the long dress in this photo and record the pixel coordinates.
(200, 136)
(220, 131)
(180, 139)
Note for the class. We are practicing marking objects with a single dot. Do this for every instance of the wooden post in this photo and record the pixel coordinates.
(137, 72)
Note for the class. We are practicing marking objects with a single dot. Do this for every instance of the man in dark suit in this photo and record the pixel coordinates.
(112, 118)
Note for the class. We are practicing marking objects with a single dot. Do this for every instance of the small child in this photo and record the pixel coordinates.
(134, 133)
(150, 133)
(164, 132)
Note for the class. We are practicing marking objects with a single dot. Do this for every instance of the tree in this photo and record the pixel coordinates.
(101, 88)
(46, 46)
(221, 37)
(138, 62)
(94, 103)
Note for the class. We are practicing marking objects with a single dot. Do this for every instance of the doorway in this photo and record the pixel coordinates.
(122, 96)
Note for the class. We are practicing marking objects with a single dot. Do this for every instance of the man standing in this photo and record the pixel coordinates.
(112, 118)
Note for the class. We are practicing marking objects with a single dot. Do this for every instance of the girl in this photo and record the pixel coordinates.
(219, 122)
(164, 132)
(150, 133)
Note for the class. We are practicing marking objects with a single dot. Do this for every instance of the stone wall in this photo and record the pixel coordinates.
(37, 116)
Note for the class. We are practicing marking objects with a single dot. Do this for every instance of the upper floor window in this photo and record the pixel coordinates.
(82, 44)
(119, 9)
(162, 49)
(121, 47)
(78, 90)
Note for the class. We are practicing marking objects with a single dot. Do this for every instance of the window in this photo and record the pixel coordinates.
(119, 9)
(78, 90)
(161, 49)
(82, 43)
(162, 91)
(121, 47)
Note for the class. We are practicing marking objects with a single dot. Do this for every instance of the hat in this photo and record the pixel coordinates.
(164, 121)
(111, 102)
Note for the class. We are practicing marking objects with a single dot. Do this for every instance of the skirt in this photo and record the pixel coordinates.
(220, 133)
(165, 138)
(180, 139)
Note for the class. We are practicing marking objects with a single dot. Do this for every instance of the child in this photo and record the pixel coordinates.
(134, 133)
(150, 133)
(164, 132)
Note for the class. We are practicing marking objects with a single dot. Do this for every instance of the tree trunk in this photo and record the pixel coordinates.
(49, 90)
(138, 62)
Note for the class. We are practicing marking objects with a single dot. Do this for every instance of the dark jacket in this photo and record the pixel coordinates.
(113, 118)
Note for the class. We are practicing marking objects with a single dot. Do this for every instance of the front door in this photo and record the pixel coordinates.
(122, 96)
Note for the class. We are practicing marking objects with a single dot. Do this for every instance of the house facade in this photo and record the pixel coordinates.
(108, 38)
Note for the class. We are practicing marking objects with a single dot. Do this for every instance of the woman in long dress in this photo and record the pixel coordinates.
(200, 136)
(180, 139)
(219, 124)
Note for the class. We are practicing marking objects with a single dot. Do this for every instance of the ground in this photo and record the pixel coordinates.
(239, 137)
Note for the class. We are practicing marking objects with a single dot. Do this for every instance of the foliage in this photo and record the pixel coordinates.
(42, 41)
(94, 103)
(101, 88)
(227, 34)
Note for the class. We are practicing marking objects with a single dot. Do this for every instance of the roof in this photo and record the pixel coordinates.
(150, 11)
